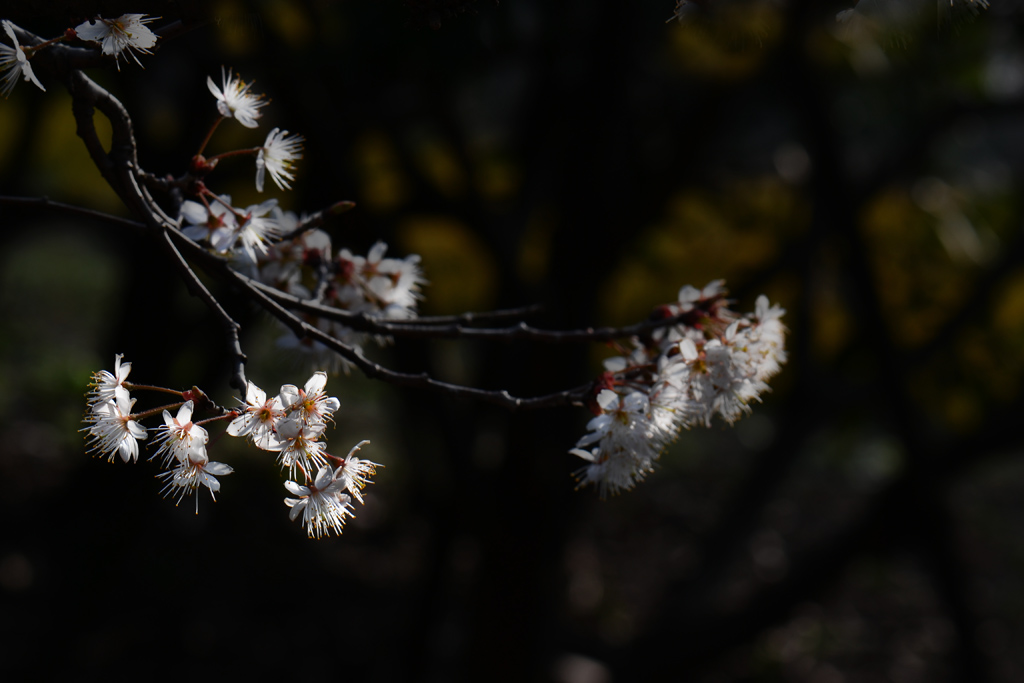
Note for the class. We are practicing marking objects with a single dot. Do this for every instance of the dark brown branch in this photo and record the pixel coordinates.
(46, 203)
(231, 327)
(303, 330)
(416, 328)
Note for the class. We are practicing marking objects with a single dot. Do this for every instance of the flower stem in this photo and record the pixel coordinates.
(209, 135)
(236, 153)
(131, 386)
(230, 415)
(154, 411)
(29, 51)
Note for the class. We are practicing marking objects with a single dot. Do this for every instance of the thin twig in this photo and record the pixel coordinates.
(46, 203)
(416, 328)
(231, 327)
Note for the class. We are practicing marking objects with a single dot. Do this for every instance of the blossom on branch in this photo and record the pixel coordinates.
(107, 386)
(180, 438)
(310, 404)
(227, 229)
(713, 362)
(113, 430)
(323, 505)
(259, 418)
(357, 472)
(128, 33)
(194, 471)
(14, 63)
(234, 99)
(278, 155)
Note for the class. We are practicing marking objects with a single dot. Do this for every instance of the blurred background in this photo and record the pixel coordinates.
(862, 525)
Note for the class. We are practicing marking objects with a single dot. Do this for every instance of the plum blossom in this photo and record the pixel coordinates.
(357, 472)
(278, 155)
(180, 438)
(195, 471)
(14, 62)
(234, 99)
(300, 446)
(323, 505)
(128, 33)
(310, 405)
(629, 442)
(106, 386)
(253, 229)
(113, 430)
(259, 418)
(712, 362)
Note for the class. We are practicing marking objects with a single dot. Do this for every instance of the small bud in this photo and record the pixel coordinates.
(200, 166)
(340, 208)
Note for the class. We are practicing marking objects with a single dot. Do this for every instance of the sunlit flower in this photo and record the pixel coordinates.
(113, 430)
(234, 99)
(180, 438)
(253, 228)
(299, 446)
(357, 472)
(14, 63)
(108, 386)
(195, 471)
(323, 506)
(278, 155)
(259, 417)
(128, 33)
(310, 404)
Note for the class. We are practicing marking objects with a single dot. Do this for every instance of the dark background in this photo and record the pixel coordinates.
(862, 525)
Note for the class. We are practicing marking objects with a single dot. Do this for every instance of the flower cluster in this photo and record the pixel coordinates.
(126, 34)
(291, 425)
(712, 362)
(112, 429)
(183, 447)
(373, 285)
(226, 229)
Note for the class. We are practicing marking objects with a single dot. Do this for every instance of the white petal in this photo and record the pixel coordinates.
(316, 383)
(586, 455)
(324, 478)
(607, 398)
(296, 488)
(218, 468)
(185, 412)
(688, 350)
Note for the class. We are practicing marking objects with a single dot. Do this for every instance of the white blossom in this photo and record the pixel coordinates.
(195, 471)
(234, 99)
(259, 418)
(113, 430)
(299, 446)
(180, 438)
(107, 386)
(629, 442)
(128, 33)
(201, 222)
(310, 404)
(278, 155)
(357, 472)
(14, 63)
(714, 363)
(253, 230)
(323, 505)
